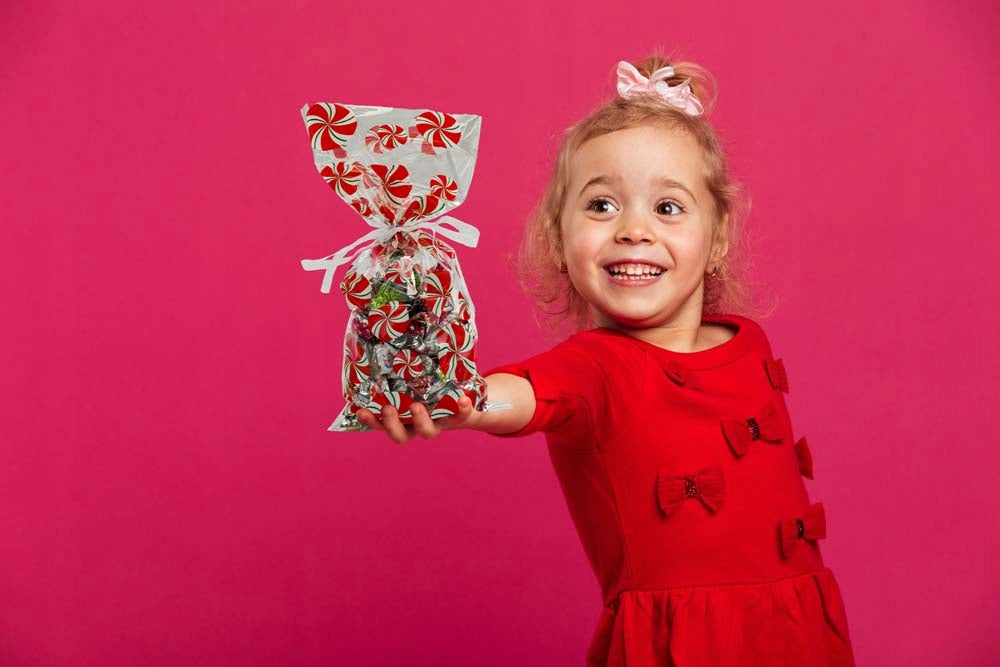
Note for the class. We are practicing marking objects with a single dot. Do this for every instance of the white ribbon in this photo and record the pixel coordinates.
(459, 232)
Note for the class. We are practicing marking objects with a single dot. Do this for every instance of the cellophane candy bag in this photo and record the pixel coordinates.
(411, 333)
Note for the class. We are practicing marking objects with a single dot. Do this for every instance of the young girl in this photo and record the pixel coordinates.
(665, 418)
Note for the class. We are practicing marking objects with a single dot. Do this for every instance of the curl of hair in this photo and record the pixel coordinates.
(540, 255)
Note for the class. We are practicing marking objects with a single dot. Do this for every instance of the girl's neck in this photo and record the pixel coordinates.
(684, 333)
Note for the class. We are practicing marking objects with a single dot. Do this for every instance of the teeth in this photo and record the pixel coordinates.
(634, 271)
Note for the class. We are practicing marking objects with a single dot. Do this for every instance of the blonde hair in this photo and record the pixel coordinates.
(540, 254)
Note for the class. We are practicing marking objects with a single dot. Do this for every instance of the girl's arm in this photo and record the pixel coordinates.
(500, 388)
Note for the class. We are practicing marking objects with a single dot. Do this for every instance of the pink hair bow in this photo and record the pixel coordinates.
(631, 83)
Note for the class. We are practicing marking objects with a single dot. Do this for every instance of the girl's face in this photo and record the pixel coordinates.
(637, 228)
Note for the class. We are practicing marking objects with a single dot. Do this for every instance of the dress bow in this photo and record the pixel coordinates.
(775, 369)
(680, 375)
(805, 458)
(707, 485)
(810, 526)
(766, 425)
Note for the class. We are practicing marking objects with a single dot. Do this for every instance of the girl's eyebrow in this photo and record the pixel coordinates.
(665, 181)
(671, 183)
(599, 180)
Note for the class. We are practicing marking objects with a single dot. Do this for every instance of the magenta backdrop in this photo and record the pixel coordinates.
(168, 492)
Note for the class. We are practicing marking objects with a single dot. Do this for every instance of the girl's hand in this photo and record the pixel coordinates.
(423, 425)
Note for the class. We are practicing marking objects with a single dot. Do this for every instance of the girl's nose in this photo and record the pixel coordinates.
(634, 229)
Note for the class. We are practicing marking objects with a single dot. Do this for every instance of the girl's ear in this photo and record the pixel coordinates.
(720, 242)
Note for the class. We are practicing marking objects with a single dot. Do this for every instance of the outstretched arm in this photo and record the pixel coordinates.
(500, 388)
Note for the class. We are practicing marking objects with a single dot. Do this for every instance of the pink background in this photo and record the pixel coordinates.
(168, 492)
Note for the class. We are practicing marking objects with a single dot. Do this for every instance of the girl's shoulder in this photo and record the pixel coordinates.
(748, 328)
(601, 345)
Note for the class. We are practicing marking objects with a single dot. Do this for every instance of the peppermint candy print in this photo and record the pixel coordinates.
(399, 400)
(456, 337)
(436, 306)
(343, 178)
(393, 181)
(436, 287)
(443, 187)
(359, 369)
(439, 130)
(447, 405)
(329, 127)
(437, 283)
(402, 280)
(408, 365)
(457, 367)
(357, 289)
(435, 245)
(424, 206)
(389, 322)
(363, 207)
(383, 138)
(463, 310)
(387, 211)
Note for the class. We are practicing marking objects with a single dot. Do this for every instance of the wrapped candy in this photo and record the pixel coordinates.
(411, 335)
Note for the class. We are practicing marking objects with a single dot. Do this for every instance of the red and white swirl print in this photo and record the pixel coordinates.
(358, 370)
(343, 178)
(457, 366)
(456, 336)
(357, 289)
(422, 207)
(439, 130)
(443, 187)
(383, 138)
(363, 207)
(389, 322)
(447, 405)
(329, 127)
(408, 365)
(399, 400)
(437, 283)
(393, 181)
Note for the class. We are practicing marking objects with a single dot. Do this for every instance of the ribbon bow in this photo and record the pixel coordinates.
(805, 458)
(680, 374)
(631, 84)
(766, 425)
(462, 232)
(775, 369)
(810, 526)
(706, 485)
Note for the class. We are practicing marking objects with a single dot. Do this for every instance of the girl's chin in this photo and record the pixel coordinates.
(621, 320)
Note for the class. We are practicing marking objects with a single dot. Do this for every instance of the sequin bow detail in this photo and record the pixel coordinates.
(775, 369)
(766, 425)
(680, 375)
(810, 526)
(707, 485)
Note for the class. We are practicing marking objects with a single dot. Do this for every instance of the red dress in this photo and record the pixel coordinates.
(686, 487)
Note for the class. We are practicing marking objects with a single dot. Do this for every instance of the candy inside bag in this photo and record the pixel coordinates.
(411, 333)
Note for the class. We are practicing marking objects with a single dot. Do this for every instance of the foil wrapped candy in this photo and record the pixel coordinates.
(411, 335)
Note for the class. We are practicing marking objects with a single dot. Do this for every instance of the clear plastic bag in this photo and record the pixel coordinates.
(411, 334)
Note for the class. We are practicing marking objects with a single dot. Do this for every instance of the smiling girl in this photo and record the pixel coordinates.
(664, 414)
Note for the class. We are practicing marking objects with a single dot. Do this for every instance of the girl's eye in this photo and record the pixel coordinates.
(600, 205)
(663, 208)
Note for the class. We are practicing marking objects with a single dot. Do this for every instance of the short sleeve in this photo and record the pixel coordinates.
(570, 389)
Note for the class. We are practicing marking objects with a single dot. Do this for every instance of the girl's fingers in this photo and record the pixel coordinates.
(464, 412)
(388, 422)
(394, 427)
(422, 422)
(368, 418)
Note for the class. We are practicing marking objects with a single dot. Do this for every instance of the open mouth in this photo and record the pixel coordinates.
(634, 271)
